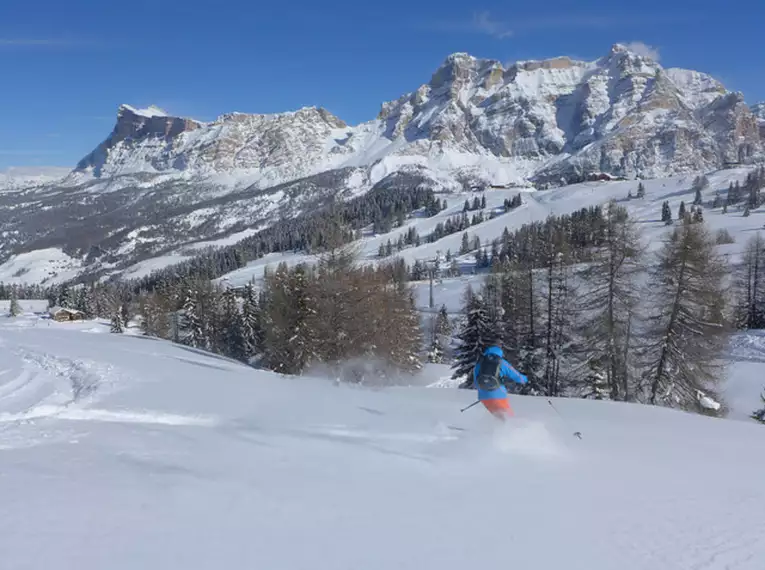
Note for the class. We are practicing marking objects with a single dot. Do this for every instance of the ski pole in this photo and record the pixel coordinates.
(470, 406)
(576, 433)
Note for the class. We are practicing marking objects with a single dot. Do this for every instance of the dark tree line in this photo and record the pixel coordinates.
(329, 315)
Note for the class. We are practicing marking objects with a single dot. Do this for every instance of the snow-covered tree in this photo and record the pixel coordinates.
(234, 342)
(594, 382)
(476, 334)
(15, 308)
(116, 320)
(641, 190)
(252, 330)
(194, 333)
(441, 329)
(687, 331)
(291, 341)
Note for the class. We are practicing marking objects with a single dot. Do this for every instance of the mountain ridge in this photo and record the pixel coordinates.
(158, 182)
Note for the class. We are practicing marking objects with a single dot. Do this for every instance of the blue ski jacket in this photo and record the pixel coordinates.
(507, 373)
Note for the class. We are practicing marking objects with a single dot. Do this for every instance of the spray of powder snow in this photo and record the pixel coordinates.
(524, 437)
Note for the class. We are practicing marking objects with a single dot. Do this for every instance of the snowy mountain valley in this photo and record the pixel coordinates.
(239, 343)
(159, 188)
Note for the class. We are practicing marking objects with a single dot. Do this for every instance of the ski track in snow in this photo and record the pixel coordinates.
(49, 387)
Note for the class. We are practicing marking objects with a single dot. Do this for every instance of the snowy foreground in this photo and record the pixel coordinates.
(123, 452)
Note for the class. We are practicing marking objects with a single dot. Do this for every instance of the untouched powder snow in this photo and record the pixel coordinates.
(124, 452)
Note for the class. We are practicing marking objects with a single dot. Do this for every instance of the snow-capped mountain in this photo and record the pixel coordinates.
(158, 182)
(623, 114)
(23, 177)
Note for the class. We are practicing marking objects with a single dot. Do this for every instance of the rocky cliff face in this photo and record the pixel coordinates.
(560, 119)
(759, 112)
(623, 114)
(150, 141)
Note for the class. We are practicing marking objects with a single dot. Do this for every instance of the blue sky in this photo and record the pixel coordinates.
(67, 64)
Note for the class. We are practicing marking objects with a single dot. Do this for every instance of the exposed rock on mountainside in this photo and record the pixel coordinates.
(158, 182)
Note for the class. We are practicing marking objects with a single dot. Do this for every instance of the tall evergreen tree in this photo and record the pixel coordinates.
(666, 213)
(252, 331)
(117, 325)
(234, 342)
(607, 307)
(558, 309)
(194, 333)
(15, 308)
(687, 331)
(641, 190)
(751, 285)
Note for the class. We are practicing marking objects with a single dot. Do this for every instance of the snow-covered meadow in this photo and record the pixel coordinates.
(122, 452)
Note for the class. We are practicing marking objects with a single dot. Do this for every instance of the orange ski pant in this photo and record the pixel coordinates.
(499, 407)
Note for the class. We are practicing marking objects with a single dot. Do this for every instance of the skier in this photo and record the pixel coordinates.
(490, 375)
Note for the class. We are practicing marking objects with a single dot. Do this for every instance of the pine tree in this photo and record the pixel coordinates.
(252, 332)
(15, 308)
(697, 200)
(746, 211)
(291, 341)
(595, 385)
(666, 214)
(558, 310)
(687, 332)
(751, 285)
(116, 320)
(475, 336)
(698, 216)
(194, 333)
(641, 190)
(607, 308)
(759, 415)
(681, 212)
(234, 341)
(465, 247)
(483, 202)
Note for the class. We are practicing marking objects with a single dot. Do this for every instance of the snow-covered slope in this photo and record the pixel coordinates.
(537, 206)
(122, 452)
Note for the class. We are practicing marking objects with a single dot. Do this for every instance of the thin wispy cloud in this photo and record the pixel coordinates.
(480, 23)
(39, 43)
(644, 50)
(26, 152)
(484, 23)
